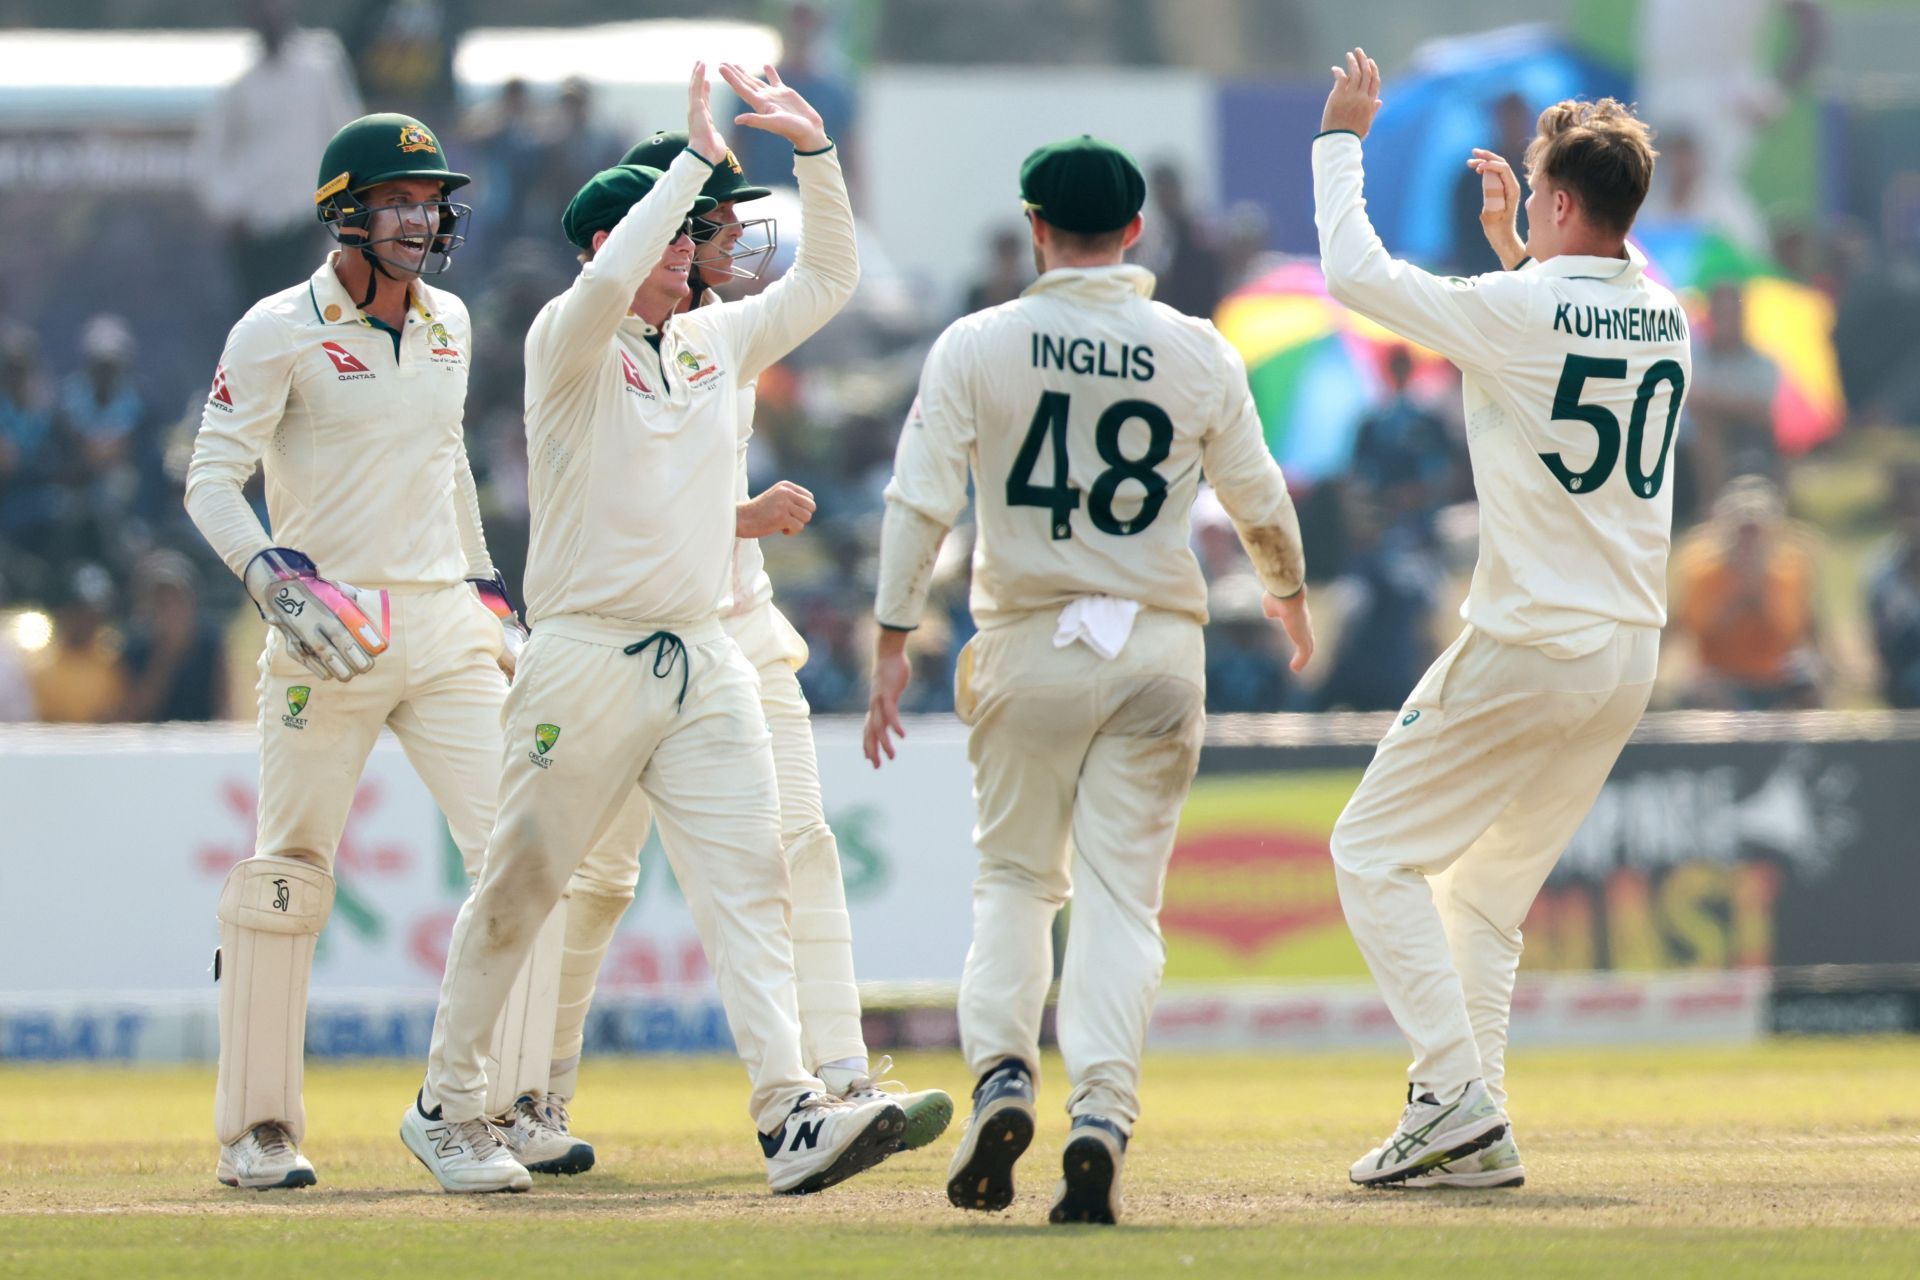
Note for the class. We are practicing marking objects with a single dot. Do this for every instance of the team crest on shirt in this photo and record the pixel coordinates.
(544, 736)
(415, 138)
(297, 697)
(442, 351)
(699, 368)
(635, 383)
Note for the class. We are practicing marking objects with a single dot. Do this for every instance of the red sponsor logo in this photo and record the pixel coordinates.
(344, 361)
(1249, 888)
(220, 396)
(632, 372)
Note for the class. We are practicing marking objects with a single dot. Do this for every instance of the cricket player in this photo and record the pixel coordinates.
(1086, 413)
(1574, 367)
(384, 608)
(728, 247)
(633, 423)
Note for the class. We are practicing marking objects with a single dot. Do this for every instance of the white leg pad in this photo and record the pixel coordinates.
(271, 912)
(522, 1051)
(592, 921)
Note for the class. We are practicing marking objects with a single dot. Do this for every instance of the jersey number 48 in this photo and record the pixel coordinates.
(1567, 406)
(1061, 499)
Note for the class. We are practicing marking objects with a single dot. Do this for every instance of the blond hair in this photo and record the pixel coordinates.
(1599, 152)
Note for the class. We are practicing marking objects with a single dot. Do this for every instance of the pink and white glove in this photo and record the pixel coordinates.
(513, 632)
(335, 629)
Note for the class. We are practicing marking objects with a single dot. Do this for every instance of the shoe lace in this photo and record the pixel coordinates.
(533, 1109)
(556, 1114)
(872, 1083)
(479, 1136)
(272, 1139)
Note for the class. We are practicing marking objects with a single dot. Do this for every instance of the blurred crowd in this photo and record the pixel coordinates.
(115, 611)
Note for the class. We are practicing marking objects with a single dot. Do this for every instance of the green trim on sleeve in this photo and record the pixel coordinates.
(1328, 133)
(822, 151)
(888, 626)
(1523, 262)
(711, 164)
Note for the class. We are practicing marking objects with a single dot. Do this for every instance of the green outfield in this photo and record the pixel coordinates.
(1790, 1159)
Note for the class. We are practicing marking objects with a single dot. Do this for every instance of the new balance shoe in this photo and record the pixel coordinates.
(465, 1155)
(264, 1159)
(928, 1111)
(827, 1139)
(537, 1142)
(1090, 1173)
(997, 1135)
(1497, 1166)
(1431, 1133)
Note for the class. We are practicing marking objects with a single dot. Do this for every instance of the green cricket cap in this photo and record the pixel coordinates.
(608, 195)
(728, 181)
(1083, 185)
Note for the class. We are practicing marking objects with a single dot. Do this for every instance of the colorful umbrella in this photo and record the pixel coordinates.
(1786, 321)
(1316, 368)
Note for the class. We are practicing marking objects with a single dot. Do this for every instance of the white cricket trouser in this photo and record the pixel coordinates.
(584, 721)
(438, 687)
(1068, 745)
(829, 1000)
(1485, 775)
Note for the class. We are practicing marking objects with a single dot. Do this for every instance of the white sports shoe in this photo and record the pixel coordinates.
(537, 1142)
(1497, 1166)
(263, 1159)
(1090, 1173)
(928, 1111)
(465, 1155)
(827, 1139)
(1430, 1133)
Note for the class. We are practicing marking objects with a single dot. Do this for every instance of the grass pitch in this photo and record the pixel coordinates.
(1788, 1159)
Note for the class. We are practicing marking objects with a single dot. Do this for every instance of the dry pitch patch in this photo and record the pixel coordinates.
(1789, 1159)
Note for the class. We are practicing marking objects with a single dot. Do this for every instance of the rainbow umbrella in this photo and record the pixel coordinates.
(1786, 321)
(1316, 368)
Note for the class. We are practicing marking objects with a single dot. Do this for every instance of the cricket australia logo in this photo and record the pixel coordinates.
(296, 703)
(442, 351)
(544, 736)
(699, 368)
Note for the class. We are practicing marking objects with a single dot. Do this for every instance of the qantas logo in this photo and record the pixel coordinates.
(345, 363)
(220, 398)
(635, 382)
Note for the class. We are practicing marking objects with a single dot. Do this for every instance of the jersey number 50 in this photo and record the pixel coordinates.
(1566, 405)
(1061, 499)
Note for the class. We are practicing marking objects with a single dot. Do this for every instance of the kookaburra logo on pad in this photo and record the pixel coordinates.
(281, 895)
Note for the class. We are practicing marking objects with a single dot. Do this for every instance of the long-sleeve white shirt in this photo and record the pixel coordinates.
(1087, 413)
(633, 452)
(1573, 372)
(364, 452)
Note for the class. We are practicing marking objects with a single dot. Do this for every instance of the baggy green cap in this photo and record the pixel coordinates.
(1083, 185)
(728, 181)
(608, 195)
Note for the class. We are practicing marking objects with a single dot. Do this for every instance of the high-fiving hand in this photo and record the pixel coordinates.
(1355, 97)
(702, 138)
(1499, 205)
(776, 108)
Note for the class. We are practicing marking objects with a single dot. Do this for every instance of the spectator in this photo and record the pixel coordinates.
(104, 414)
(175, 658)
(256, 147)
(579, 145)
(1384, 598)
(1402, 457)
(403, 53)
(1189, 268)
(33, 505)
(1743, 594)
(819, 72)
(78, 678)
(1009, 270)
(1729, 405)
(1893, 596)
(509, 154)
(1682, 193)
(1513, 126)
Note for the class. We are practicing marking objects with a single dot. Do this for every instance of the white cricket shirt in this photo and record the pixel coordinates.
(1573, 373)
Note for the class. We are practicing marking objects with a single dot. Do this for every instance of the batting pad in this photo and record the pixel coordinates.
(521, 1056)
(823, 952)
(271, 912)
(592, 920)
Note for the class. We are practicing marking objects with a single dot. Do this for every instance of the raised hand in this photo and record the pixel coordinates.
(702, 137)
(1355, 97)
(1499, 205)
(776, 108)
